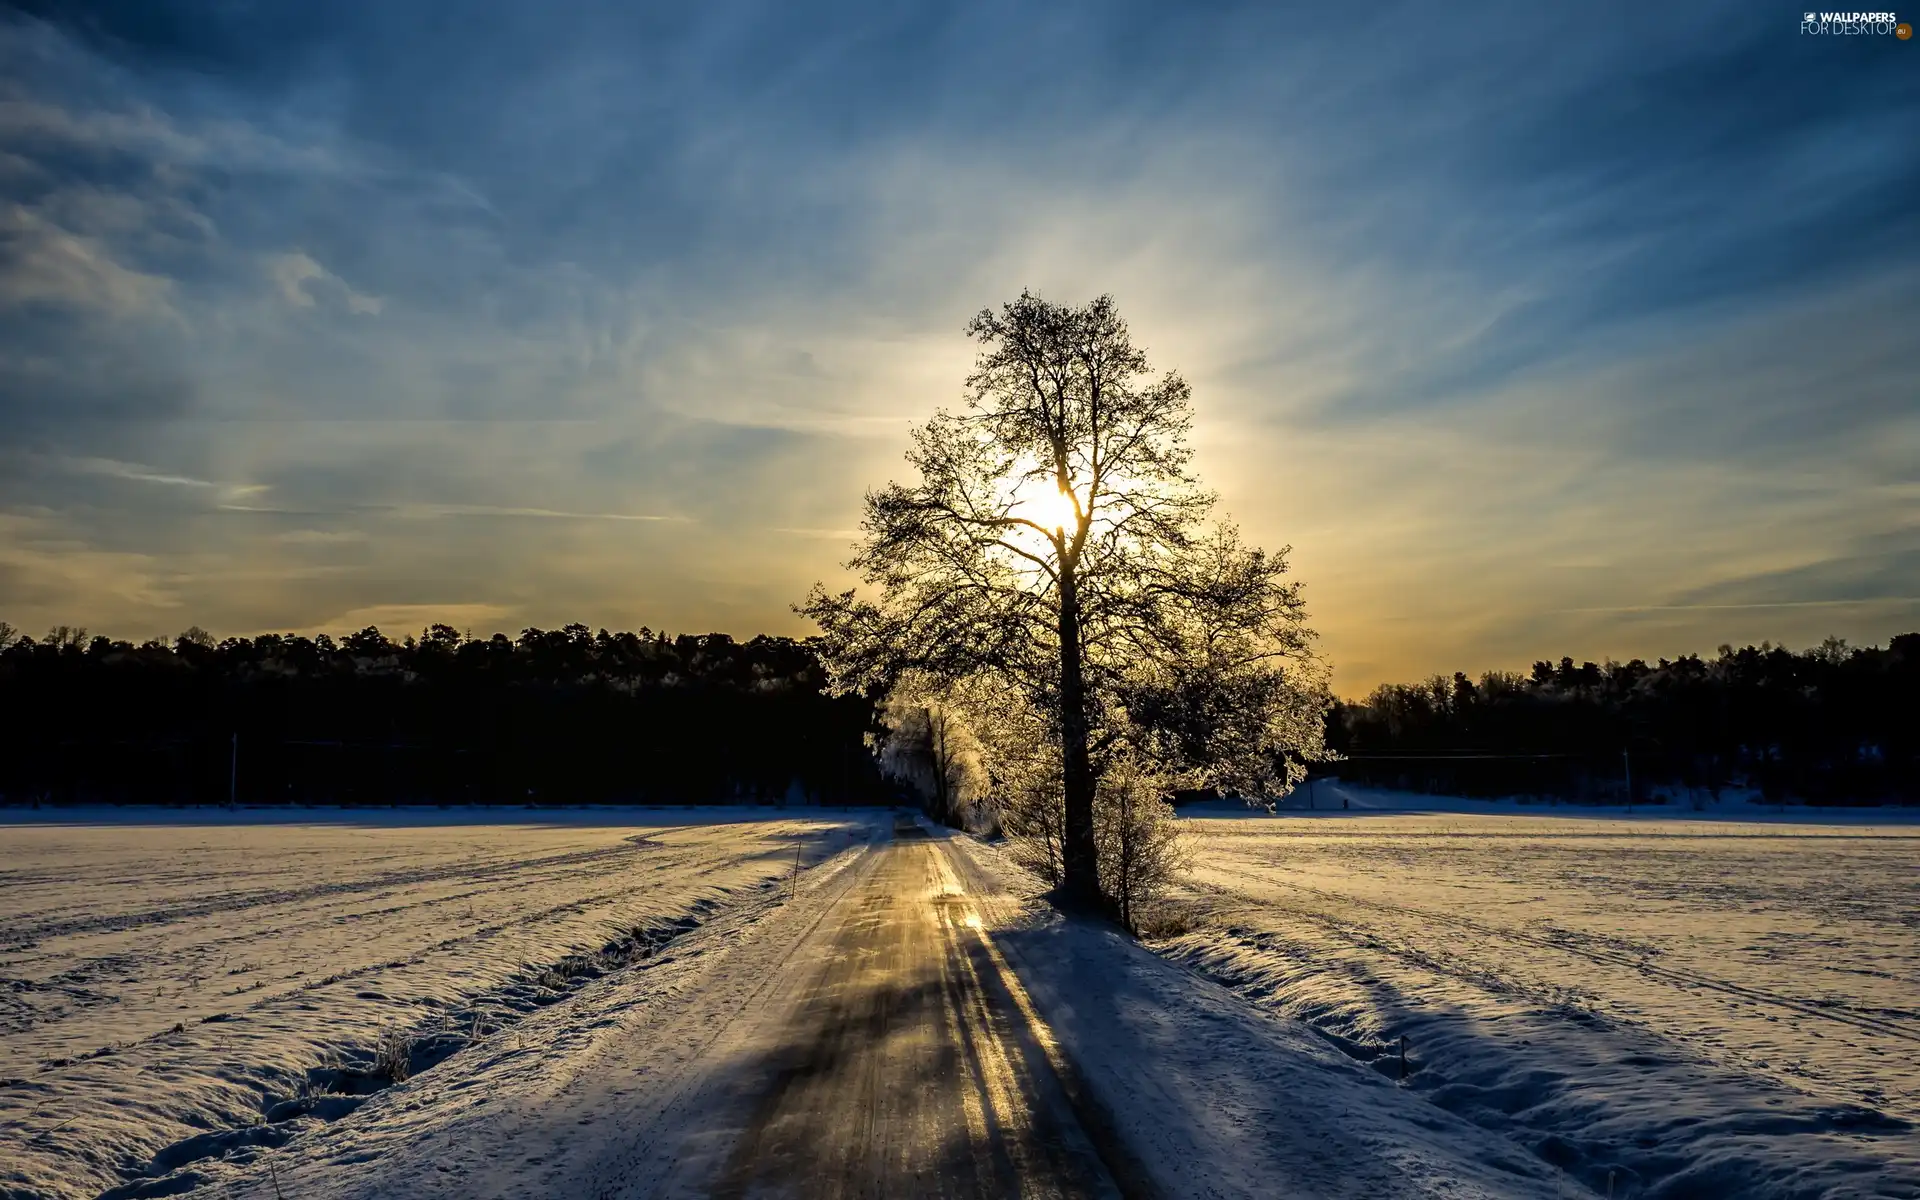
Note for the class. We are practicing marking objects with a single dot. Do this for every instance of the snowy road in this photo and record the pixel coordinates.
(864, 1039)
(908, 1066)
(908, 1023)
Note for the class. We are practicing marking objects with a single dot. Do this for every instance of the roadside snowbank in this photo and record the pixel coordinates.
(1215, 1098)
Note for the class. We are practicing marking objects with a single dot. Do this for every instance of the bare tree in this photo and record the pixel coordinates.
(949, 763)
(1056, 544)
(929, 747)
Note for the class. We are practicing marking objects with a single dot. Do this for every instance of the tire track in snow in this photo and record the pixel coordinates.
(238, 901)
(303, 988)
(1679, 977)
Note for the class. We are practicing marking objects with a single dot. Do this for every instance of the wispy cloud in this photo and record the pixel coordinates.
(1593, 345)
(834, 535)
(432, 510)
(496, 510)
(143, 474)
(301, 281)
(49, 265)
(1888, 601)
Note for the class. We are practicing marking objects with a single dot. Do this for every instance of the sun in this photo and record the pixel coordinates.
(1043, 503)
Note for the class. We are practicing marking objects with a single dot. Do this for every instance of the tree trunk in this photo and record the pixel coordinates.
(1080, 860)
(937, 747)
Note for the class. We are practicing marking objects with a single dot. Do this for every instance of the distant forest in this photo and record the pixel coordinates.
(572, 716)
(1829, 725)
(553, 716)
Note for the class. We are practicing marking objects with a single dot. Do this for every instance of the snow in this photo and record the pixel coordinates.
(1686, 1006)
(1671, 1006)
(626, 1092)
(1328, 798)
(174, 974)
(604, 1095)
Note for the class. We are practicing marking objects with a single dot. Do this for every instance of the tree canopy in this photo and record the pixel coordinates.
(1055, 568)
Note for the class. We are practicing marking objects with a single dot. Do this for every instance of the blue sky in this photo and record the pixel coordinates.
(1532, 336)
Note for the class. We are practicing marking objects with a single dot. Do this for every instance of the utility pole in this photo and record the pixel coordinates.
(1626, 756)
(233, 772)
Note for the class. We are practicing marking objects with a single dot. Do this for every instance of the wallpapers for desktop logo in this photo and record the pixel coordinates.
(1855, 23)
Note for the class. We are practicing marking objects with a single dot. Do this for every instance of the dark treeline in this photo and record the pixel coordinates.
(554, 716)
(1829, 725)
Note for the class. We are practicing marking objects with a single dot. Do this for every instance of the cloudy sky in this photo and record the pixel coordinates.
(1532, 337)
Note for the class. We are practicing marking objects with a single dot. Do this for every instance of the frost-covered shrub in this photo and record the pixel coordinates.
(393, 1057)
(1141, 848)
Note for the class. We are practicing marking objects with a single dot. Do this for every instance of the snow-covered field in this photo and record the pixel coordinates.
(1658, 1005)
(172, 974)
(1688, 1006)
(649, 1079)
